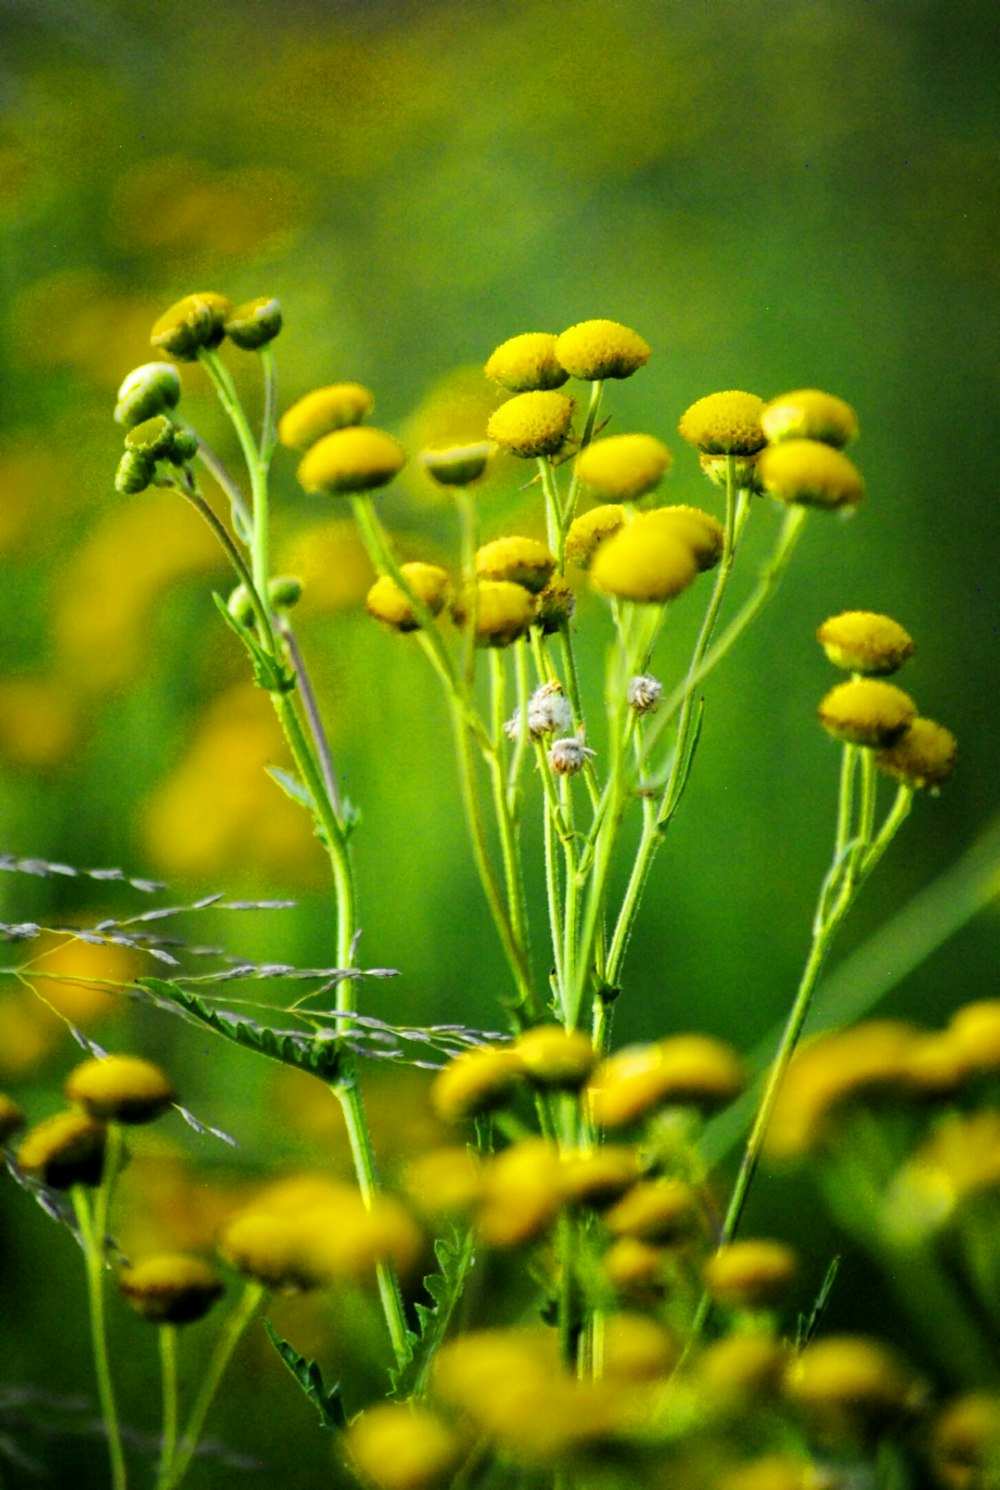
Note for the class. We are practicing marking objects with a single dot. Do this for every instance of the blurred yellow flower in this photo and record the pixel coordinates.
(39, 723)
(331, 561)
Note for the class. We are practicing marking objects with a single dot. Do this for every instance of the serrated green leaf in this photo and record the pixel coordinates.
(269, 673)
(299, 793)
(455, 1253)
(320, 1057)
(309, 1375)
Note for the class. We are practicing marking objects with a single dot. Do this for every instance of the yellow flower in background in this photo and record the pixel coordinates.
(724, 423)
(811, 415)
(356, 458)
(34, 480)
(39, 722)
(590, 529)
(218, 816)
(811, 474)
(531, 424)
(644, 561)
(388, 603)
(78, 319)
(323, 410)
(332, 563)
(621, 468)
(868, 712)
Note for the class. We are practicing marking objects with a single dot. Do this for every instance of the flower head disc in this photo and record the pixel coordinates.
(588, 531)
(925, 755)
(532, 424)
(527, 362)
(622, 468)
(504, 611)
(65, 1150)
(402, 1446)
(862, 641)
(351, 460)
(591, 350)
(388, 603)
(324, 409)
(703, 533)
(808, 414)
(867, 712)
(191, 325)
(811, 474)
(171, 1288)
(524, 561)
(121, 1089)
(643, 561)
(724, 423)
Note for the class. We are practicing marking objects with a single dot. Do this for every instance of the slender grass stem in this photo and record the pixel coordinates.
(92, 1232)
(168, 1374)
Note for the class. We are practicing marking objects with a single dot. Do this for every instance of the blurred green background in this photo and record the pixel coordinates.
(774, 193)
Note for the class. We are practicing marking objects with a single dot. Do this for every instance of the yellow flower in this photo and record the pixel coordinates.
(724, 423)
(925, 755)
(171, 1288)
(976, 1027)
(459, 465)
(555, 1057)
(702, 532)
(255, 323)
(504, 611)
(810, 474)
(601, 349)
(272, 1249)
(965, 1442)
(387, 602)
(743, 1369)
(444, 1180)
(861, 641)
(598, 1177)
(11, 1118)
(527, 363)
(851, 1388)
(475, 1082)
(120, 1088)
(636, 1348)
(39, 724)
(318, 413)
(663, 1211)
(867, 712)
(523, 561)
(196, 322)
(65, 1150)
(353, 459)
(744, 471)
(643, 562)
(622, 468)
(692, 1070)
(531, 424)
(754, 1274)
(402, 1446)
(808, 414)
(520, 1194)
(590, 529)
(331, 560)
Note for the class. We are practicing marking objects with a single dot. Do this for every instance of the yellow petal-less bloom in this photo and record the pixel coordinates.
(643, 562)
(622, 468)
(444, 1180)
(590, 529)
(598, 1177)
(121, 1089)
(690, 1069)
(355, 459)
(402, 1446)
(862, 641)
(315, 414)
(459, 465)
(520, 1194)
(555, 1057)
(925, 755)
(601, 349)
(523, 561)
(743, 1369)
(531, 424)
(196, 322)
(476, 1082)
(976, 1028)
(273, 1249)
(702, 532)
(808, 414)
(965, 1442)
(171, 1288)
(663, 1211)
(866, 711)
(636, 1348)
(388, 603)
(851, 1388)
(752, 1274)
(724, 423)
(810, 474)
(504, 611)
(527, 363)
(65, 1150)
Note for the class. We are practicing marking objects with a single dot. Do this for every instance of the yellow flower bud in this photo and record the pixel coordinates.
(458, 466)
(724, 423)
(476, 1082)
(555, 605)
(504, 611)
(65, 1150)
(635, 1269)
(590, 529)
(745, 476)
(808, 414)
(284, 591)
(850, 1388)
(135, 472)
(867, 712)
(636, 1348)
(402, 1446)
(354, 459)
(349, 1241)
(692, 1070)
(148, 390)
(171, 1288)
(622, 468)
(190, 325)
(121, 1089)
(664, 1211)
(445, 1180)
(601, 349)
(11, 1118)
(925, 755)
(861, 641)
(322, 411)
(387, 602)
(255, 323)
(523, 561)
(643, 562)
(810, 474)
(555, 1057)
(742, 1369)
(753, 1274)
(976, 1027)
(520, 1194)
(273, 1249)
(598, 1177)
(531, 424)
(965, 1442)
(703, 533)
(527, 363)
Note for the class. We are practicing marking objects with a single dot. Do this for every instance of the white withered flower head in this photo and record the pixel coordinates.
(569, 755)
(644, 693)
(549, 713)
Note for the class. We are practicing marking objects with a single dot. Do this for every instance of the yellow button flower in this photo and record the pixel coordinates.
(354, 459)
(868, 712)
(590, 529)
(527, 362)
(862, 641)
(702, 532)
(121, 1089)
(810, 474)
(255, 323)
(925, 755)
(555, 1057)
(622, 468)
(196, 322)
(504, 611)
(388, 603)
(724, 423)
(475, 1082)
(531, 424)
(753, 1274)
(644, 562)
(337, 406)
(65, 1150)
(850, 1387)
(402, 1446)
(808, 414)
(171, 1288)
(459, 465)
(523, 561)
(601, 349)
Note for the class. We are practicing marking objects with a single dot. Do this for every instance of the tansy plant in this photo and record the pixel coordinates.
(654, 1343)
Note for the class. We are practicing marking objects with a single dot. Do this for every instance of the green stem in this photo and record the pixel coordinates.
(256, 466)
(510, 848)
(92, 1239)
(168, 1372)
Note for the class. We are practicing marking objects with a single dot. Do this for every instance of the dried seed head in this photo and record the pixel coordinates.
(549, 712)
(644, 694)
(554, 606)
(568, 756)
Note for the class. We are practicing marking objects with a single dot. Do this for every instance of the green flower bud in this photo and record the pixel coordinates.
(134, 473)
(146, 391)
(240, 606)
(154, 438)
(195, 323)
(459, 465)
(184, 447)
(254, 324)
(284, 591)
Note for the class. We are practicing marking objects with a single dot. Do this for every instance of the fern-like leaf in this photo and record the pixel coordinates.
(455, 1253)
(309, 1375)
